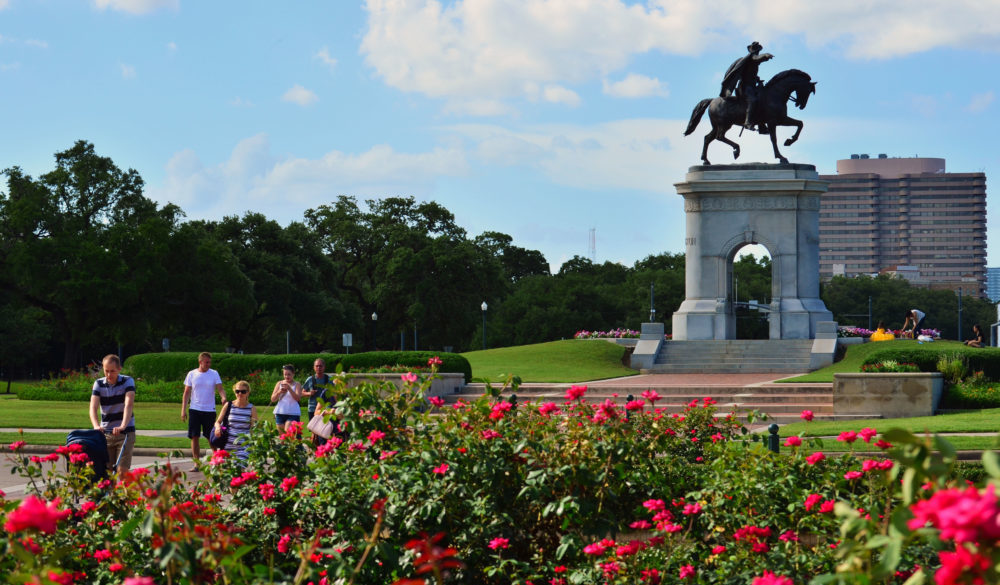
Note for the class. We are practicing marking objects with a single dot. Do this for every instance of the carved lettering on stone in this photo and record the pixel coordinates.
(744, 203)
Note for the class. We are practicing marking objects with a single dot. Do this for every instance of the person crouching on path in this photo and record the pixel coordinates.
(287, 393)
(242, 417)
(198, 389)
(112, 398)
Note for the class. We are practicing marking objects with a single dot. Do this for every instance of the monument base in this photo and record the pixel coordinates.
(728, 207)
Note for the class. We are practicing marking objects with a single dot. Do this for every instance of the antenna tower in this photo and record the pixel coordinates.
(592, 246)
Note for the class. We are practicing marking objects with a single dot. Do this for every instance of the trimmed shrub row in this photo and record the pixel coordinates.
(176, 365)
(985, 360)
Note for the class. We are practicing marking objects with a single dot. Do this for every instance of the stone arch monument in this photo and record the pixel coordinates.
(729, 206)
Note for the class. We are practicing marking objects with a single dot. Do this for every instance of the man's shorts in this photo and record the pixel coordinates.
(115, 447)
(200, 422)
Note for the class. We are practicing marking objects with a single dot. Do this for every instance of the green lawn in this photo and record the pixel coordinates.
(37, 414)
(972, 421)
(180, 443)
(856, 356)
(962, 443)
(570, 360)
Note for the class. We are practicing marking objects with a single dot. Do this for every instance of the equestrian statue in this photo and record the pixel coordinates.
(751, 104)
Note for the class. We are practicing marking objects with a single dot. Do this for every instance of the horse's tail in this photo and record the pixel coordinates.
(696, 115)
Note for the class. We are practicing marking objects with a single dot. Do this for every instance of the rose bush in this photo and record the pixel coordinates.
(496, 491)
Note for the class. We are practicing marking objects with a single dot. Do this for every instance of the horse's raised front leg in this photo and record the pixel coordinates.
(798, 129)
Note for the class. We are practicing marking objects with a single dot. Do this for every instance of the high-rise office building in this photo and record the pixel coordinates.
(993, 284)
(906, 216)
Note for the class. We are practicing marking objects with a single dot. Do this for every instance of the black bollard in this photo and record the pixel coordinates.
(773, 439)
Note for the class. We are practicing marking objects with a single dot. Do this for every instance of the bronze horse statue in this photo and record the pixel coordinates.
(772, 109)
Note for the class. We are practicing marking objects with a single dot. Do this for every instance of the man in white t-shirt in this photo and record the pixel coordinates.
(198, 389)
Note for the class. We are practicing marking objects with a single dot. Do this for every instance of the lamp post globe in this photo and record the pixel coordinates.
(374, 331)
(484, 307)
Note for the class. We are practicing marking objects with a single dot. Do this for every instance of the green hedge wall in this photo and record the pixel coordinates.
(239, 366)
(176, 365)
(450, 362)
(979, 359)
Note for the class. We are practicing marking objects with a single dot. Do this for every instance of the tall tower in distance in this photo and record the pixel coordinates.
(592, 245)
(905, 216)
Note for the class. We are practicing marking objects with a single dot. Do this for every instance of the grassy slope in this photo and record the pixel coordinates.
(973, 421)
(855, 356)
(571, 360)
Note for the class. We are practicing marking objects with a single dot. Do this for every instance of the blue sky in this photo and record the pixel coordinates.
(542, 119)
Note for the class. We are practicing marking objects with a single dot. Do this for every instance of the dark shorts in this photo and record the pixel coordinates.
(200, 422)
(284, 418)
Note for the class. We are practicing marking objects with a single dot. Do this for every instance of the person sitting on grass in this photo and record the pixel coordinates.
(977, 337)
(881, 334)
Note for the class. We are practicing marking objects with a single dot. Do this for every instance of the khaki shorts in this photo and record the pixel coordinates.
(115, 446)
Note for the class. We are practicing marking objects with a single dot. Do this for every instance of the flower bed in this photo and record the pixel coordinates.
(620, 333)
(496, 493)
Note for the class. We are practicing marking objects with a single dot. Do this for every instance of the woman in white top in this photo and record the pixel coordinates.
(917, 317)
(287, 393)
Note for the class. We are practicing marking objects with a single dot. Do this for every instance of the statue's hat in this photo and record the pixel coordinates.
(754, 46)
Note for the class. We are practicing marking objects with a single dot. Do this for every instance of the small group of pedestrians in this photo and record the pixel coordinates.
(112, 404)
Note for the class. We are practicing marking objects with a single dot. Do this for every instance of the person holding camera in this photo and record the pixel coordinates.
(287, 393)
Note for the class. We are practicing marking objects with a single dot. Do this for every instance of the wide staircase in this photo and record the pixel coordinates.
(733, 356)
(783, 403)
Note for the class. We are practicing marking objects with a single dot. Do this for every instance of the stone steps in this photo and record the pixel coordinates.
(783, 403)
(733, 356)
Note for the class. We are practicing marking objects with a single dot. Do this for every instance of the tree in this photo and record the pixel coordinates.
(407, 261)
(293, 284)
(80, 243)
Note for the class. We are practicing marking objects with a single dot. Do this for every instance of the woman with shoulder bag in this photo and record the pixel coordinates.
(242, 416)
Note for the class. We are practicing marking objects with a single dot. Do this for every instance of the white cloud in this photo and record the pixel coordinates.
(239, 102)
(136, 6)
(324, 56)
(300, 95)
(4, 4)
(283, 187)
(128, 71)
(37, 43)
(980, 102)
(560, 95)
(10, 66)
(172, 46)
(507, 49)
(636, 86)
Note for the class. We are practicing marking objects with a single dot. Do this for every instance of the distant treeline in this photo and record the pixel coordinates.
(90, 265)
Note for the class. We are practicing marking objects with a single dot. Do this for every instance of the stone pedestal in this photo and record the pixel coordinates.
(729, 206)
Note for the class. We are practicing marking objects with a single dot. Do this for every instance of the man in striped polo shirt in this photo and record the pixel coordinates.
(113, 397)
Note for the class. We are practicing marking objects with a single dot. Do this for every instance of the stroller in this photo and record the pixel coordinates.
(96, 447)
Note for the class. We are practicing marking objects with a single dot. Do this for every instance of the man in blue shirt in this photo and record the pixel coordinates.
(111, 405)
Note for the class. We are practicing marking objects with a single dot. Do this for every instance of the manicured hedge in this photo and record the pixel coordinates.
(176, 365)
(172, 365)
(979, 359)
(450, 362)
(240, 366)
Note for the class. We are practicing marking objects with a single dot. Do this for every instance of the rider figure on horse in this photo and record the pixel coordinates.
(741, 80)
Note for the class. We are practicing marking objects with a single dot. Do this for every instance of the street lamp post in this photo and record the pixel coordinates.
(483, 307)
(374, 331)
